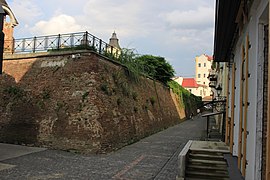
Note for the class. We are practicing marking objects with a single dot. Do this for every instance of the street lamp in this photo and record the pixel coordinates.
(2, 37)
(219, 89)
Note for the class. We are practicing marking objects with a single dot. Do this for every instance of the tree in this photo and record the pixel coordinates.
(156, 67)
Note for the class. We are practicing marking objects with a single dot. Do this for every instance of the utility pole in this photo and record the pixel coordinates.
(2, 37)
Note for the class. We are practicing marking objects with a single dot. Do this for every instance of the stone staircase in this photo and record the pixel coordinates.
(203, 160)
(203, 164)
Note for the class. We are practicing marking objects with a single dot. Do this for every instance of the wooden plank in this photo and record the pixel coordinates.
(232, 108)
(227, 111)
(240, 131)
(245, 109)
(268, 116)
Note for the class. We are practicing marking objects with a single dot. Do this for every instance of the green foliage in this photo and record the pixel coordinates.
(117, 77)
(109, 55)
(156, 67)
(122, 83)
(133, 70)
(189, 100)
(127, 58)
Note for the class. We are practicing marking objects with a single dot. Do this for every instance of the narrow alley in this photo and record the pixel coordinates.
(154, 157)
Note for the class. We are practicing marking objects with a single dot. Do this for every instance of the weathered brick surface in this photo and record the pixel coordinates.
(87, 104)
(8, 31)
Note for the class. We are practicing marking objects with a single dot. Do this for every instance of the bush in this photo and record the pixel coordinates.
(189, 100)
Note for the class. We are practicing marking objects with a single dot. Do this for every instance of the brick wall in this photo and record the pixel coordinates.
(87, 104)
(8, 31)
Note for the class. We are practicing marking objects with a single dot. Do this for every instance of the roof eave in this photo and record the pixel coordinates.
(225, 28)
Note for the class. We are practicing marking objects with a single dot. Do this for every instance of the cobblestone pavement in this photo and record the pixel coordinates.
(154, 157)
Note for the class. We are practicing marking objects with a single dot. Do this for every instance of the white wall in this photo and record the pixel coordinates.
(237, 60)
(252, 29)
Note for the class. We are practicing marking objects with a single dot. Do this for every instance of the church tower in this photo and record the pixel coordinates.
(114, 42)
(9, 23)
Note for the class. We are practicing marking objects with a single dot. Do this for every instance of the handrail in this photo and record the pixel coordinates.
(213, 113)
(208, 119)
(71, 41)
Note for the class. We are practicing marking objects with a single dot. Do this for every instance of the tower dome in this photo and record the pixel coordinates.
(114, 41)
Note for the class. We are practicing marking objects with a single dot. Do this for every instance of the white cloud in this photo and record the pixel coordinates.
(200, 18)
(105, 16)
(57, 25)
(25, 11)
(179, 29)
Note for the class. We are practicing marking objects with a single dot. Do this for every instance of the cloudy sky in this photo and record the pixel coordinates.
(178, 30)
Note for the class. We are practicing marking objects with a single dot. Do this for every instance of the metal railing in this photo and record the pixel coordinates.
(218, 108)
(72, 41)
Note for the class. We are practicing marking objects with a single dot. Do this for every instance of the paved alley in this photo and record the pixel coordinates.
(154, 157)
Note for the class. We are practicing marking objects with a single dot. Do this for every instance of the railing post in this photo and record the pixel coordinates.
(34, 48)
(46, 43)
(106, 48)
(23, 45)
(111, 50)
(86, 38)
(100, 44)
(59, 41)
(94, 39)
(207, 127)
(72, 40)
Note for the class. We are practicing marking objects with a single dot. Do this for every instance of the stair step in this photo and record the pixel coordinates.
(208, 162)
(207, 168)
(207, 151)
(204, 178)
(219, 172)
(206, 156)
(209, 175)
(213, 139)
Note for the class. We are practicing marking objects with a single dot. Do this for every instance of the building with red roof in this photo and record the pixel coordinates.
(189, 83)
(192, 86)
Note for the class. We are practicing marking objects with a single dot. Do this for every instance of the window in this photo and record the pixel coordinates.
(204, 75)
(199, 65)
(190, 90)
(203, 82)
(199, 75)
(200, 92)
(204, 64)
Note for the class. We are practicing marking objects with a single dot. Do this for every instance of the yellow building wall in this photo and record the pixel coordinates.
(203, 66)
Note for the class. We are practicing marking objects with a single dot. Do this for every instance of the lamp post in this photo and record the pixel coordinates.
(2, 37)
(219, 89)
